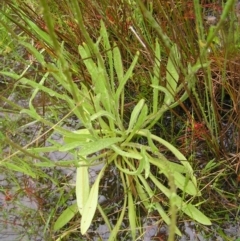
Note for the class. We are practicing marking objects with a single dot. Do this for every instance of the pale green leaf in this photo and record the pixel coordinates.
(142, 194)
(81, 135)
(89, 63)
(43, 88)
(91, 204)
(182, 182)
(104, 35)
(42, 34)
(135, 113)
(100, 114)
(195, 214)
(125, 78)
(188, 209)
(11, 75)
(65, 217)
(170, 147)
(146, 164)
(23, 168)
(73, 137)
(109, 52)
(39, 56)
(71, 145)
(154, 205)
(45, 164)
(185, 184)
(134, 172)
(151, 144)
(118, 62)
(82, 187)
(132, 215)
(97, 74)
(93, 147)
(168, 96)
(165, 216)
(105, 217)
(139, 123)
(165, 164)
(119, 151)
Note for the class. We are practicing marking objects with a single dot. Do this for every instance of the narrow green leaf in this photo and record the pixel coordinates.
(93, 147)
(52, 148)
(36, 90)
(78, 134)
(142, 117)
(42, 34)
(96, 71)
(109, 52)
(98, 76)
(38, 55)
(156, 76)
(185, 184)
(125, 78)
(135, 113)
(142, 195)
(145, 162)
(134, 172)
(195, 214)
(82, 135)
(24, 168)
(65, 217)
(146, 195)
(172, 74)
(165, 217)
(45, 164)
(131, 215)
(170, 147)
(154, 149)
(71, 145)
(105, 218)
(82, 187)
(118, 62)
(89, 63)
(100, 114)
(163, 163)
(120, 152)
(91, 204)
(154, 205)
(168, 96)
(43, 88)
(188, 209)
(68, 139)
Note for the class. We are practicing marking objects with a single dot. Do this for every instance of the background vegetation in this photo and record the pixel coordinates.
(143, 93)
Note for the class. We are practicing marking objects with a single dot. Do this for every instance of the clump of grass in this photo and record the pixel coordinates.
(123, 99)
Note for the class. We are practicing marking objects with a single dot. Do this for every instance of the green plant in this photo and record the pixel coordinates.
(105, 136)
(110, 133)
